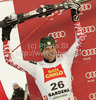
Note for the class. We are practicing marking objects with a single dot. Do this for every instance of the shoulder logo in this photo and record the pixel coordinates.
(33, 62)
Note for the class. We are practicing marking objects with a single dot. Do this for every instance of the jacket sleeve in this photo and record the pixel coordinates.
(19, 64)
(75, 49)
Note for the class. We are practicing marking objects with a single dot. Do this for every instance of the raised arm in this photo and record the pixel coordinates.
(75, 49)
(9, 58)
(80, 38)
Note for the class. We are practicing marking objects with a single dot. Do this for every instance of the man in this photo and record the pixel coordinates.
(18, 93)
(52, 75)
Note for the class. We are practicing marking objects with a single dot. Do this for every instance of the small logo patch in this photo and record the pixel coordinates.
(49, 43)
(45, 97)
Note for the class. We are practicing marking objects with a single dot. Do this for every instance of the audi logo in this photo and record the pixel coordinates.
(72, 78)
(89, 52)
(85, 7)
(89, 29)
(75, 98)
(91, 74)
(58, 34)
(92, 96)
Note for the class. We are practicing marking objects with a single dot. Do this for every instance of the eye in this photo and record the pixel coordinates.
(52, 47)
(46, 48)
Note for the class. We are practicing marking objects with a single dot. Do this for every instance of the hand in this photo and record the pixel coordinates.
(6, 30)
(75, 10)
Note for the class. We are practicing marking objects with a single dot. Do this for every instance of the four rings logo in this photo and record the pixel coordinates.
(91, 74)
(58, 34)
(75, 98)
(89, 52)
(72, 78)
(92, 96)
(85, 7)
(89, 29)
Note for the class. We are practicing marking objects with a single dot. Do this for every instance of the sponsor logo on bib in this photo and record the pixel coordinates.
(54, 72)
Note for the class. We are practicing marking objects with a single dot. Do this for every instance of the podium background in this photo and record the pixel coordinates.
(61, 28)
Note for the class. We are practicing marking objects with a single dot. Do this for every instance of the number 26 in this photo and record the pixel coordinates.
(56, 86)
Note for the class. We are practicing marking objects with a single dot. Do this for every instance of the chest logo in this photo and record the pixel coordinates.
(54, 72)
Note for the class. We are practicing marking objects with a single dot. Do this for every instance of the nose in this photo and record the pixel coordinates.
(50, 50)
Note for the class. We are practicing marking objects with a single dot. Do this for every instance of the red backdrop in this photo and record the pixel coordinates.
(61, 28)
(2, 93)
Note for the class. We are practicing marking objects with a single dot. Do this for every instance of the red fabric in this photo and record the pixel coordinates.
(2, 93)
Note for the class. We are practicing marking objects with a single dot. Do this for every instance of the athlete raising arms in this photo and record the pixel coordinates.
(52, 75)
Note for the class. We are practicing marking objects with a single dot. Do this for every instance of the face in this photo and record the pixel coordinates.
(49, 53)
(16, 87)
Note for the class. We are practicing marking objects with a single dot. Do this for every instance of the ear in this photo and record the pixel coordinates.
(43, 53)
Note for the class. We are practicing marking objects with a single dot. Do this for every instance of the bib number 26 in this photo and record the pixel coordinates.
(55, 86)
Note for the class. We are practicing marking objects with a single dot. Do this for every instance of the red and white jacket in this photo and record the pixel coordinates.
(52, 79)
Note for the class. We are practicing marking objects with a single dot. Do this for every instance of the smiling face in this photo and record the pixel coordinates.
(49, 53)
